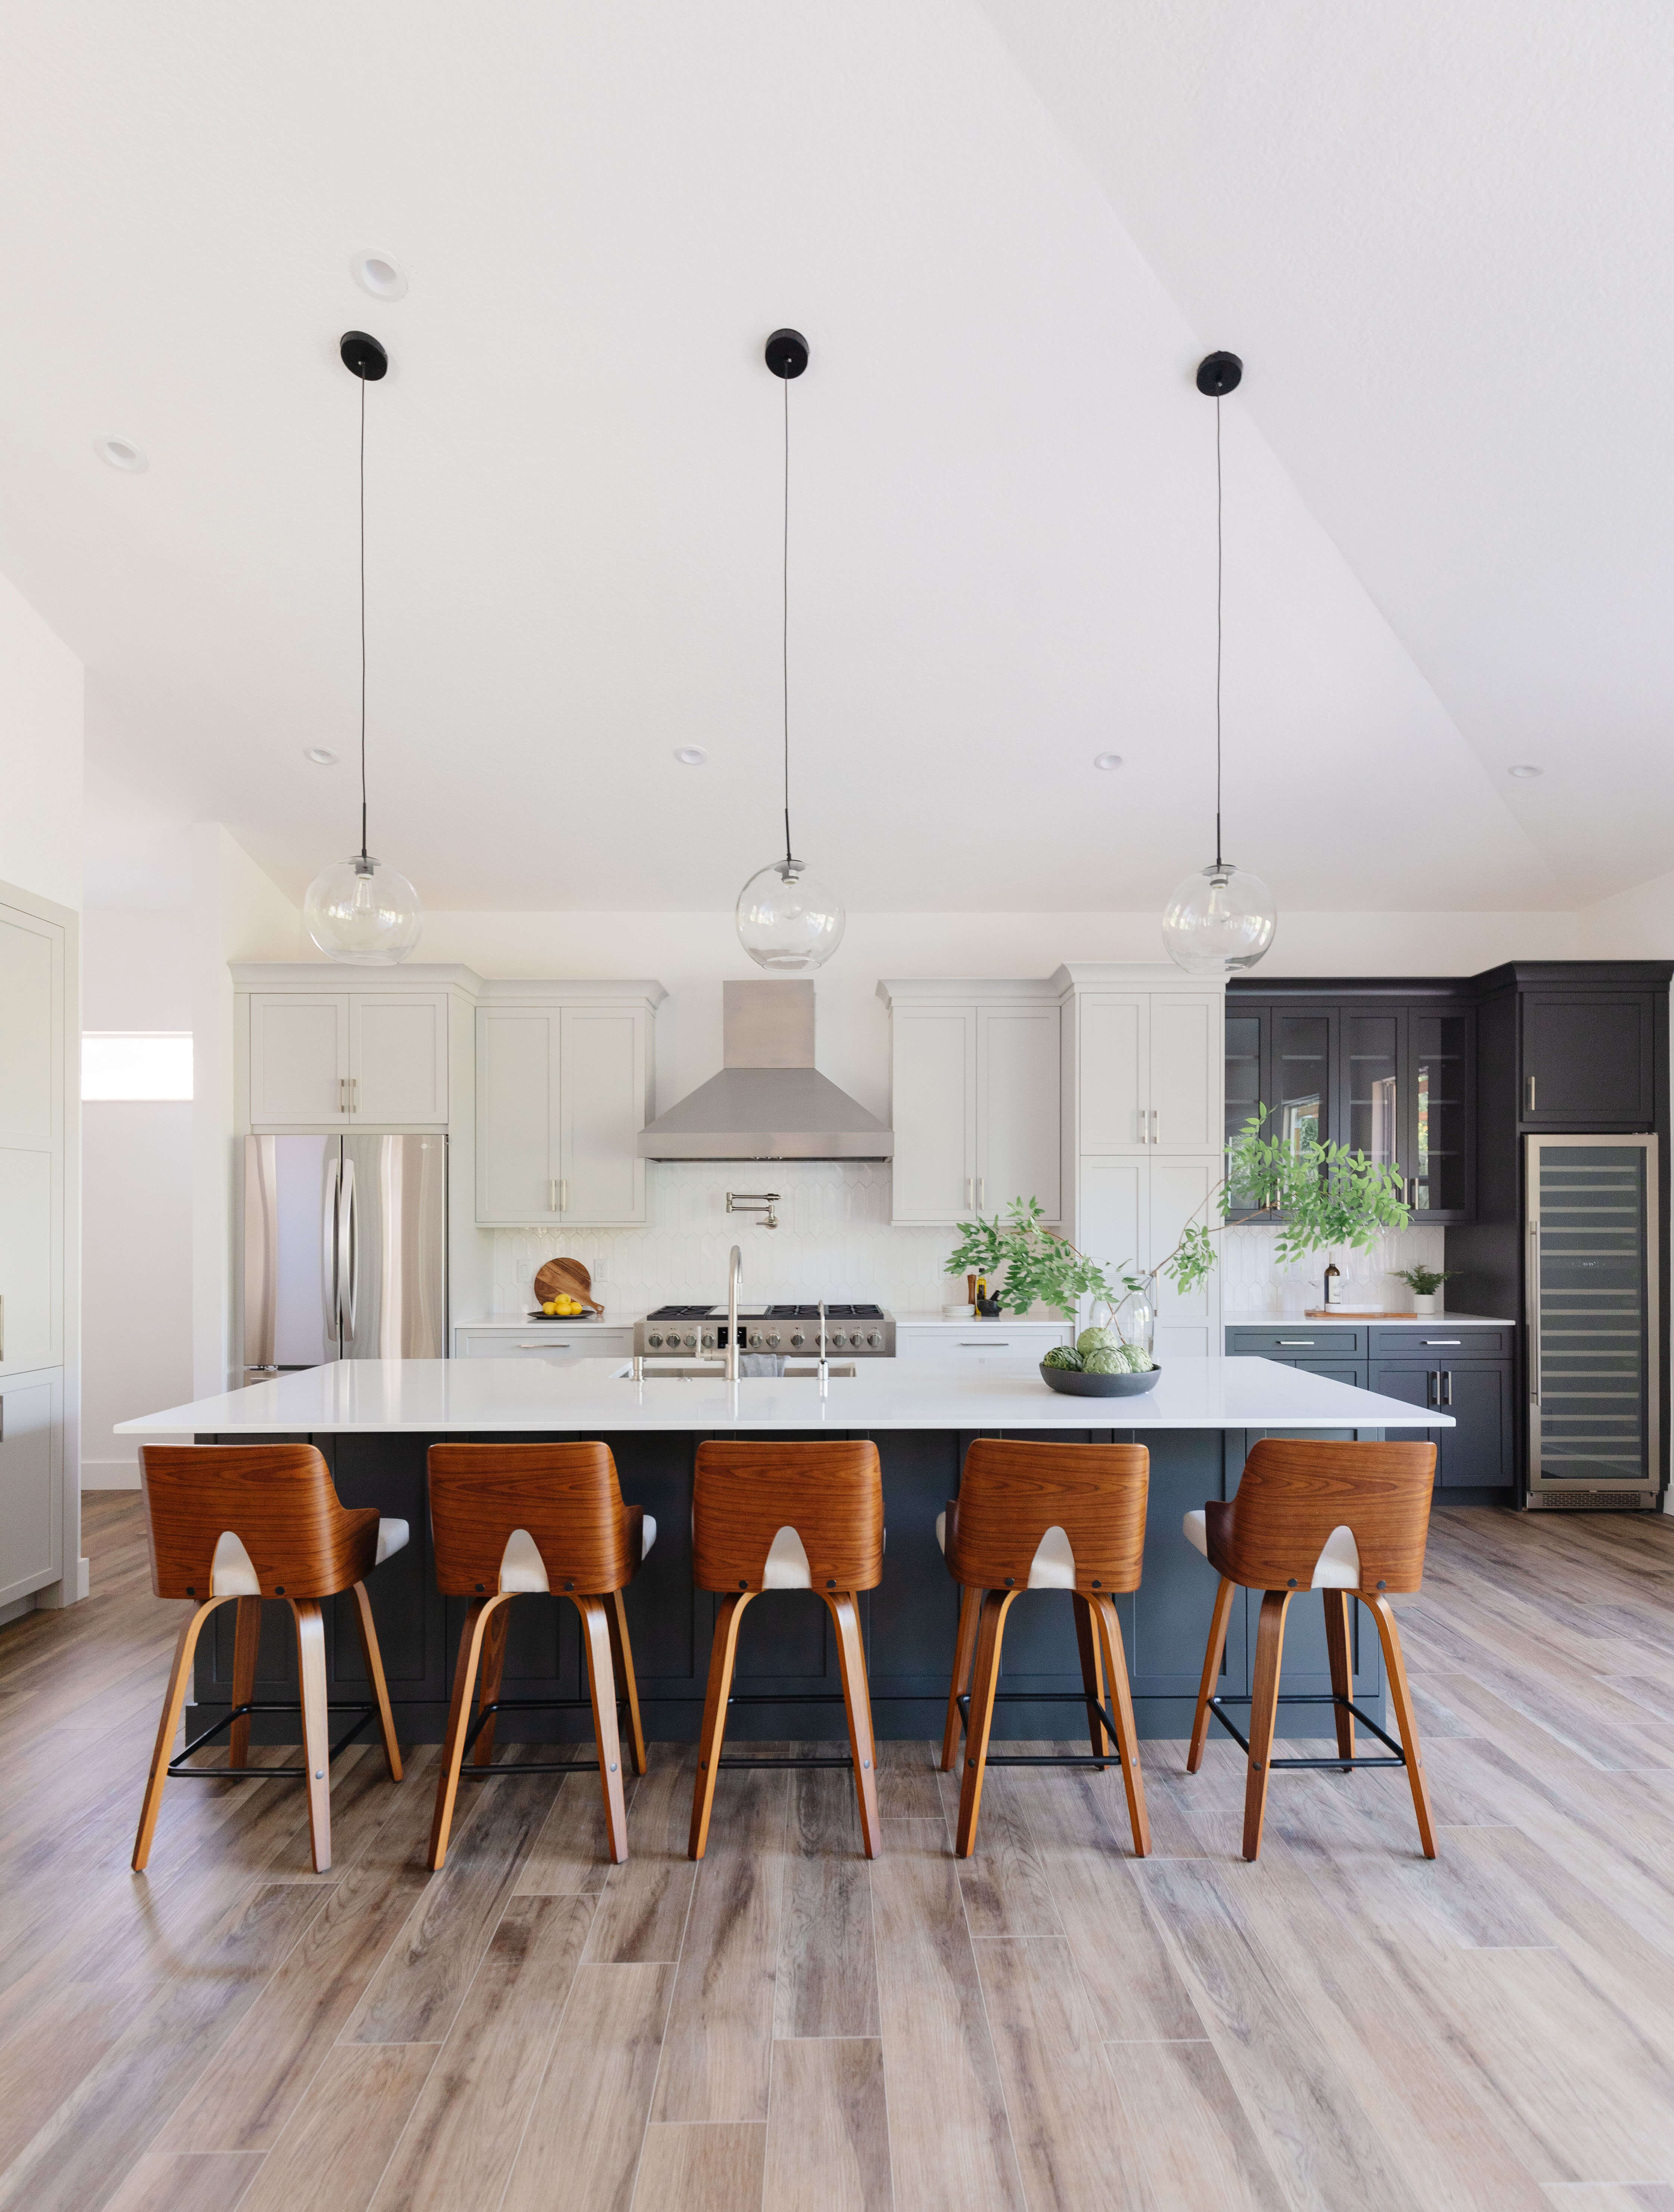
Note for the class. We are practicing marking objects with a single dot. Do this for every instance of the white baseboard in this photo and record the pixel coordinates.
(110, 1474)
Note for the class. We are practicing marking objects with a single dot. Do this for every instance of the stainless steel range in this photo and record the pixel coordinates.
(863, 1331)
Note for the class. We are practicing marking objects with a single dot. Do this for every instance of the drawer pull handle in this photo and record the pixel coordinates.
(1454, 1341)
(1292, 1343)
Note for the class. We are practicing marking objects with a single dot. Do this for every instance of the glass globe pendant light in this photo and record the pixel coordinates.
(788, 920)
(1222, 919)
(359, 910)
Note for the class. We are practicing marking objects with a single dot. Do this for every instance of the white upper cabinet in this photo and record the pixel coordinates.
(976, 1100)
(339, 1058)
(32, 1149)
(562, 1092)
(1151, 1065)
(1018, 1121)
(934, 1115)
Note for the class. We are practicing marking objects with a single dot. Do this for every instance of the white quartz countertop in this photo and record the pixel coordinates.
(521, 1321)
(1440, 1322)
(594, 1396)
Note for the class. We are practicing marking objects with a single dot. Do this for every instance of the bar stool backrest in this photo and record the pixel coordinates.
(276, 1499)
(565, 1497)
(830, 1493)
(1010, 1495)
(1293, 1495)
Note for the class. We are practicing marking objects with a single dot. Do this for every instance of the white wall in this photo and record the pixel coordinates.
(136, 1196)
(41, 696)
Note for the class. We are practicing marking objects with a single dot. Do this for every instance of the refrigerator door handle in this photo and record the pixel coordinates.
(349, 1247)
(1534, 1302)
(328, 1258)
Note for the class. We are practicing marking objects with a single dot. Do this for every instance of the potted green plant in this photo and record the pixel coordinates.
(1424, 1283)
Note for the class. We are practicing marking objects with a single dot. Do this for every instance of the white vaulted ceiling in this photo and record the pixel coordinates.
(1009, 231)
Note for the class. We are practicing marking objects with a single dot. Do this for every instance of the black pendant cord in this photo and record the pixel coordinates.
(785, 622)
(364, 618)
(1219, 565)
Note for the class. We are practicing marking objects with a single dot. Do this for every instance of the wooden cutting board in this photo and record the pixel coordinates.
(559, 1277)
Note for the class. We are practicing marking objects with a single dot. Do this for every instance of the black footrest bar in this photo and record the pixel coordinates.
(1339, 1765)
(179, 1770)
(1095, 1709)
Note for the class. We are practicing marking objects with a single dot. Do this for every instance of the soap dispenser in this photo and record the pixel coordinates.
(1333, 1285)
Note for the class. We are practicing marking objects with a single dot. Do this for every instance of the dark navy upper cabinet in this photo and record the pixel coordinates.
(1587, 1058)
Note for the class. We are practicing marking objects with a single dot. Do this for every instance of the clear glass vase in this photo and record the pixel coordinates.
(1137, 1320)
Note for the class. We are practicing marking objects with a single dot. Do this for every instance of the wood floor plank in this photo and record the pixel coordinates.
(704, 2168)
(1184, 2142)
(909, 1780)
(585, 2130)
(417, 1992)
(717, 2052)
(644, 1903)
(951, 2140)
(570, 1856)
(180, 2181)
(461, 2139)
(1004, 1883)
(1610, 2196)
(1066, 2119)
(61, 2042)
(827, 1978)
(333, 2153)
(829, 2130)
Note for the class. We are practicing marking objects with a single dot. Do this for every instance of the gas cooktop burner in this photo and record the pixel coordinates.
(832, 1313)
(790, 1330)
(680, 1313)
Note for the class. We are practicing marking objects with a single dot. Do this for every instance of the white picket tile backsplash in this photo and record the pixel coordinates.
(1253, 1284)
(834, 1240)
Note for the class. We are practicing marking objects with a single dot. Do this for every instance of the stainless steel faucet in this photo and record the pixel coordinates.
(735, 1273)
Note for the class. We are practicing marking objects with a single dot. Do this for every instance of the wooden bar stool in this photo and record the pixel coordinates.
(787, 1516)
(249, 1522)
(1343, 1519)
(514, 1520)
(1038, 1517)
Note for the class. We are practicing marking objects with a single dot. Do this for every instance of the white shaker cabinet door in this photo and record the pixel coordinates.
(31, 1140)
(31, 1501)
(31, 953)
(934, 1112)
(1182, 1191)
(398, 1057)
(1019, 1135)
(1187, 1056)
(602, 1110)
(1115, 1209)
(517, 1116)
(1115, 1071)
(298, 1059)
(30, 1290)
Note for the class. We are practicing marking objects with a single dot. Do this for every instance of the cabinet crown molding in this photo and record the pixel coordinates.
(969, 990)
(327, 975)
(1132, 975)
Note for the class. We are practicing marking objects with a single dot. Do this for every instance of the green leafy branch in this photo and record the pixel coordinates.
(1038, 1264)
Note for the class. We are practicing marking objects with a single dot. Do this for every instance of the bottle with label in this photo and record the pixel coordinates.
(1333, 1285)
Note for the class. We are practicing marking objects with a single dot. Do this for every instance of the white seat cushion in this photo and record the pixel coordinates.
(1054, 1566)
(787, 1562)
(232, 1572)
(522, 1568)
(647, 1533)
(941, 1532)
(391, 1538)
(1337, 1566)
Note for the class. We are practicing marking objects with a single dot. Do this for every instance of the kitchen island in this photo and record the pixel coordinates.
(375, 1419)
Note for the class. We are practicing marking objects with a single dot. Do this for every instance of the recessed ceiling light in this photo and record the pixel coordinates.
(1523, 768)
(121, 453)
(1106, 760)
(690, 756)
(319, 755)
(380, 274)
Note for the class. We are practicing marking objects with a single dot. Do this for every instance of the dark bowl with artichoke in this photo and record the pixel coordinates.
(1103, 1372)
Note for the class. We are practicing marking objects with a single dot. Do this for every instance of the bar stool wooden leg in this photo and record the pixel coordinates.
(601, 1687)
(1263, 1713)
(723, 1652)
(489, 1680)
(374, 1658)
(858, 1703)
(478, 1613)
(621, 1659)
(1103, 1615)
(316, 1724)
(1212, 1657)
(995, 1604)
(1405, 1721)
(174, 1699)
(964, 1650)
(246, 1638)
(1343, 1675)
(1092, 1667)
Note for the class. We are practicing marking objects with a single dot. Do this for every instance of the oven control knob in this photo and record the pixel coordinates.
(797, 1339)
(655, 1340)
(876, 1340)
(709, 1340)
(691, 1342)
(773, 1337)
(755, 1339)
(839, 1337)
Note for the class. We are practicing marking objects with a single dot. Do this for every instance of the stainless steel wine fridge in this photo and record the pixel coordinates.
(1593, 1322)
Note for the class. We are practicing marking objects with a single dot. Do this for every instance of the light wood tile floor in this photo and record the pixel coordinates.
(1341, 2027)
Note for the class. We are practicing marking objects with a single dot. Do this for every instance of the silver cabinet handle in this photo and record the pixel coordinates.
(967, 1190)
(552, 1194)
(979, 1196)
(353, 1094)
(1430, 1386)
(1144, 1127)
(1435, 1343)
(1446, 1386)
(1296, 1343)
(343, 1093)
(563, 1194)
(545, 1344)
(994, 1344)
(1156, 1128)
(1531, 1094)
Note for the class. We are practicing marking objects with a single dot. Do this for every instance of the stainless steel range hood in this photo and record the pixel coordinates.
(769, 1101)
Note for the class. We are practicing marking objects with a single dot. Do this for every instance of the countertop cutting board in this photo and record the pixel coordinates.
(561, 1276)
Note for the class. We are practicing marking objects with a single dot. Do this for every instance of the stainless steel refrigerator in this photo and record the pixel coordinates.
(1595, 1330)
(345, 1250)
